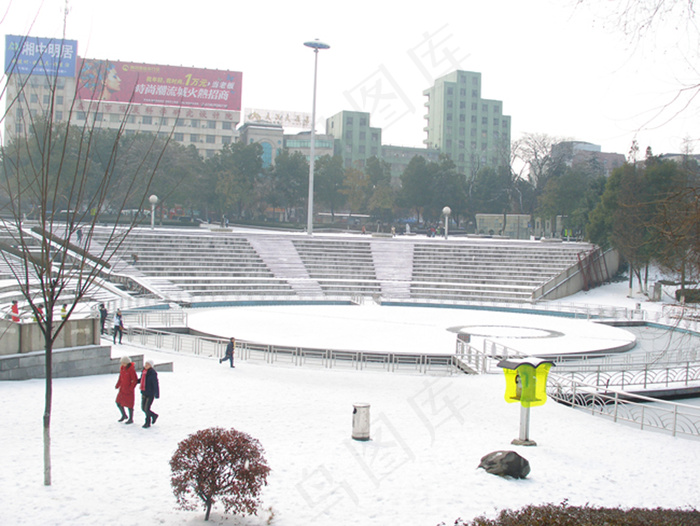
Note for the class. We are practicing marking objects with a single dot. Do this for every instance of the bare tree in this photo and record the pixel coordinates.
(67, 177)
(531, 158)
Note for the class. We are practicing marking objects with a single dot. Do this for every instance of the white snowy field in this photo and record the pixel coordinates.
(420, 468)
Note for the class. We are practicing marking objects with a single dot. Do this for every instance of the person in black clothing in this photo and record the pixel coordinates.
(150, 390)
(229, 352)
(103, 318)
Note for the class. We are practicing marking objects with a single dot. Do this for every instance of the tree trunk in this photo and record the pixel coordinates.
(206, 515)
(47, 404)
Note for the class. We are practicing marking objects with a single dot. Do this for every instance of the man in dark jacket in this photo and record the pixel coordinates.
(150, 390)
(229, 352)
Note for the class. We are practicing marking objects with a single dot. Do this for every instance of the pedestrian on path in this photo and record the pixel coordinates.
(128, 379)
(230, 348)
(118, 327)
(150, 390)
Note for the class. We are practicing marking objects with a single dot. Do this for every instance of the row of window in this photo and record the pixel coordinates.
(484, 120)
(474, 106)
(196, 138)
(362, 136)
(156, 121)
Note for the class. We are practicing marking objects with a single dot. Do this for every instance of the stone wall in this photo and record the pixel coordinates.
(27, 337)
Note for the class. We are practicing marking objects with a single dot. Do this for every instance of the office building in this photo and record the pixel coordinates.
(470, 129)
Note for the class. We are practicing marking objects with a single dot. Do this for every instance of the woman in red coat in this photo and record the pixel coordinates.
(126, 384)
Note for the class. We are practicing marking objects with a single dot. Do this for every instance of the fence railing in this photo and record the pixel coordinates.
(295, 356)
(637, 410)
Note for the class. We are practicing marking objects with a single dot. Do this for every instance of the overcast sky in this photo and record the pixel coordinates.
(560, 69)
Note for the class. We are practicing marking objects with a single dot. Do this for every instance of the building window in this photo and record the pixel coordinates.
(450, 91)
(363, 136)
(462, 105)
(449, 104)
(163, 121)
(496, 135)
(348, 121)
(59, 115)
(80, 116)
(179, 137)
(47, 99)
(504, 123)
(194, 138)
(461, 145)
(475, 93)
(461, 157)
(485, 108)
(194, 123)
(131, 119)
(496, 121)
(475, 81)
(473, 145)
(226, 140)
(113, 117)
(375, 137)
(462, 92)
(473, 119)
(209, 153)
(497, 109)
(348, 136)
(267, 154)
(473, 132)
(462, 131)
(180, 122)
(59, 99)
(211, 139)
(473, 106)
(163, 135)
(448, 143)
(484, 121)
(361, 149)
(462, 117)
(363, 121)
(449, 117)
(34, 97)
(483, 146)
(211, 125)
(146, 119)
(225, 125)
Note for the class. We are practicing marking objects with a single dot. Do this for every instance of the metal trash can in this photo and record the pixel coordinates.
(360, 422)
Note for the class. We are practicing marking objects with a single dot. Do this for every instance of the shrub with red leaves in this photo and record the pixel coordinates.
(219, 465)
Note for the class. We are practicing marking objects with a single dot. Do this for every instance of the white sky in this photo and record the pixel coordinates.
(558, 69)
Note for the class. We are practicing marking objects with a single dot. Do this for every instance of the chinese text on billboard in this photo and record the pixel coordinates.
(40, 56)
(164, 85)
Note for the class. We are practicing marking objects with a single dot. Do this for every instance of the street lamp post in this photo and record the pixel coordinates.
(446, 212)
(315, 45)
(153, 200)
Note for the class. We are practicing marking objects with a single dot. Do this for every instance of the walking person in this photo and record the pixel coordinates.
(229, 352)
(126, 383)
(103, 318)
(118, 327)
(150, 390)
(15, 311)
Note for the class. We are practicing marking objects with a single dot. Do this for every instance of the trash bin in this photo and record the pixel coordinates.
(360, 422)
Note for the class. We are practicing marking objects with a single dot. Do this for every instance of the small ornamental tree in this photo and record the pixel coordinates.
(218, 464)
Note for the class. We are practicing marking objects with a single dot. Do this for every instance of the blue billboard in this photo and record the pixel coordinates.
(40, 56)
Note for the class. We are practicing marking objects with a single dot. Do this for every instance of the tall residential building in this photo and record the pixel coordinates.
(201, 107)
(471, 130)
(355, 140)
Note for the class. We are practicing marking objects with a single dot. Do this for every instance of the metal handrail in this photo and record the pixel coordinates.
(638, 410)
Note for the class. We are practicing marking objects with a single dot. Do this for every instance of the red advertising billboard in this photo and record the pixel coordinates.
(136, 83)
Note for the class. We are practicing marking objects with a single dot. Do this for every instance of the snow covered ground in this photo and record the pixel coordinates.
(420, 468)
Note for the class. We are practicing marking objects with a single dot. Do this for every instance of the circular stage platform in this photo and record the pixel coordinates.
(403, 329)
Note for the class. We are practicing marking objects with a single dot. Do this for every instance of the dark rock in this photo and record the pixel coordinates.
(505, 464)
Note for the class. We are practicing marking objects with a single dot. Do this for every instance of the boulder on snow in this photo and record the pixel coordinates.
(505, 464)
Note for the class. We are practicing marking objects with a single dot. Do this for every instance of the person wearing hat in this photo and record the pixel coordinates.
(150, 390)
(126, 383)
(118, 326)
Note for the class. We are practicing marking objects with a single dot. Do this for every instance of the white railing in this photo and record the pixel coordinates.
(637, 410)
(295, 356)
